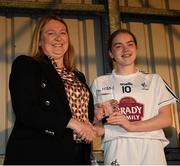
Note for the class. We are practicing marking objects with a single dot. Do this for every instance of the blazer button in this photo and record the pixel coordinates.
(47, 103)
(49, 132)
(43, 85)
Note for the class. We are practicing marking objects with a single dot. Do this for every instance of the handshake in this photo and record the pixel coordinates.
(107, 112)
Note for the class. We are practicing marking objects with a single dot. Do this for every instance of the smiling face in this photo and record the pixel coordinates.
(54, 40)
(123, 50)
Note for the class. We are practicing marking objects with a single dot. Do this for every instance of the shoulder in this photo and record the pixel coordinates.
(102, 80)
(155, 79)
(24, 59)
(24, 62)
(104, 77)
(150, 75)
(77, 72)
(80, 75)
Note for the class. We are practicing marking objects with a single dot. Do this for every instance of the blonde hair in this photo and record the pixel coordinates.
(37, 52)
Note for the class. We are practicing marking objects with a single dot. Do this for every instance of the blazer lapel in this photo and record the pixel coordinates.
(53, 78)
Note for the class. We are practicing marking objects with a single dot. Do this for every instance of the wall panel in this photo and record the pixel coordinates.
(174, 4)
(3, 84)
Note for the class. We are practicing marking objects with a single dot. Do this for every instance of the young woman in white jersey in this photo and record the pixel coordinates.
(133, 131)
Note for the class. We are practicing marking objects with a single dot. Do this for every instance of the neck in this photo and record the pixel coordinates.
(125, 70)
(59, 63)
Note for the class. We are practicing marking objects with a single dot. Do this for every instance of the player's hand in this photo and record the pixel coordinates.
(116, 118)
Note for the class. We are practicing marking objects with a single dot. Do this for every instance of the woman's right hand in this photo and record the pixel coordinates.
(85, 130)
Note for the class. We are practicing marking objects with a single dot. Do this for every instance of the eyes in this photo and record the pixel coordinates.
(121, 46)
(53, 33)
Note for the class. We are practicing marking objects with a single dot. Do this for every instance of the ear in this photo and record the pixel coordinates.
(110, 54)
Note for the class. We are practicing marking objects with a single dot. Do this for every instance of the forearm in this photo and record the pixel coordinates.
(162, 120)
(73, 124)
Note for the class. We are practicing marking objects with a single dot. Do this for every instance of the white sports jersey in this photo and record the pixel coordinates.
(140, 95)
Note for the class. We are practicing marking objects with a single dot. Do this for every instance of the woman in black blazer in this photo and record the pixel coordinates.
(52, 103)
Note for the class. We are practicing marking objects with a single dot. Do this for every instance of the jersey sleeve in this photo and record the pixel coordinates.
(102, 89)
(165, 95)
(93, 90)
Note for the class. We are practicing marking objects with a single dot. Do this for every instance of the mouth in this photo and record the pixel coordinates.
(126, 55)
(57, 44)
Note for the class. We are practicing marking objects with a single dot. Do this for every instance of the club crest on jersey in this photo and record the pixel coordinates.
(145, 86)
(133, 110)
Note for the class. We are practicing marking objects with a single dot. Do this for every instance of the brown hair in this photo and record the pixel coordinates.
(37, 52)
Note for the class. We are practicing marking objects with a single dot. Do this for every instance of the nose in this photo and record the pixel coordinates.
(58, 36)
(125, 48)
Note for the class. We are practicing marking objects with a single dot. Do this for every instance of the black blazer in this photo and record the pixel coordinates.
(42, 113)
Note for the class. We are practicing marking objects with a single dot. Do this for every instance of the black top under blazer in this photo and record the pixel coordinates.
(42, 113)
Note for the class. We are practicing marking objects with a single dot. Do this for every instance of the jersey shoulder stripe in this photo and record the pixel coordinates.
(170, 91)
